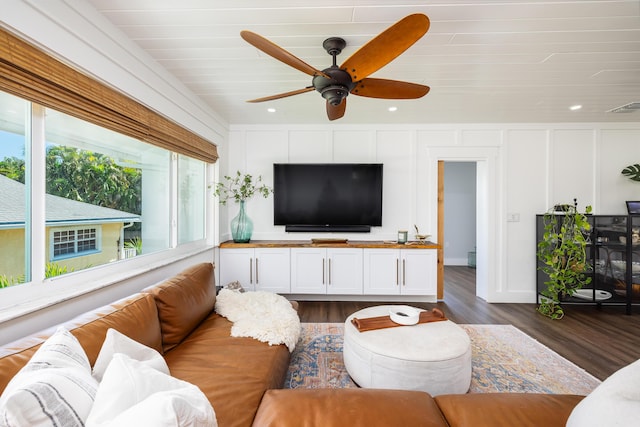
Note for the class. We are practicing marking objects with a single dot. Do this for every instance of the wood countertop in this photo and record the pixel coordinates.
(330, 243)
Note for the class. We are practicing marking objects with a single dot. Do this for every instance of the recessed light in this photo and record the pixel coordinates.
(575, 107)
(271, 110)
(392, 109)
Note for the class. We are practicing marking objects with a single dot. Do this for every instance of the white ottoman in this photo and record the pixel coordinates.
(433, 357)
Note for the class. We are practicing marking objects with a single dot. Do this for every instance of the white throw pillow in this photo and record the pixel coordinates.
(132, 394)
(615, 402)
(55, 388)
(116, 342)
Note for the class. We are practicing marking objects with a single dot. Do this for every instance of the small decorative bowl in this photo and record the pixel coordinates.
(404, 315)
(422, 237)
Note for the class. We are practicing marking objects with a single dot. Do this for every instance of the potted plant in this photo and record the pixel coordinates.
(562, 252)
(240, 188)
(632, 172)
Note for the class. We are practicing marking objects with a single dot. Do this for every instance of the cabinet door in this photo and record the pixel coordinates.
(237, 264)
(381, 271)
(344, 271)
(308, 271)
(418, 272)
(271, 270)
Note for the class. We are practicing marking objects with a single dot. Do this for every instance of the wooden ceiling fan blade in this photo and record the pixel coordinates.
(386, 46)
(335, 112)
(282, 95)
(389, 89)
(279, 53)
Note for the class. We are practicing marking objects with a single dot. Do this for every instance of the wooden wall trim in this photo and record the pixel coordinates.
(440, 294)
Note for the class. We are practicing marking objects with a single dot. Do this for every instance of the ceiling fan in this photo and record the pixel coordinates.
(337, 82)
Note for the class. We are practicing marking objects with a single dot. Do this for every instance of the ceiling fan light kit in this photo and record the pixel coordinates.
(337, 82)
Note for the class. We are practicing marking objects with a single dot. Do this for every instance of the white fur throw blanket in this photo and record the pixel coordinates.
(265, 316)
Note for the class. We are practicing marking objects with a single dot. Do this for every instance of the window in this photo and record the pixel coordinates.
(14, 220)
(104, 196)
(97, 176)
(99, 161)
(74, 242)
(191, 199)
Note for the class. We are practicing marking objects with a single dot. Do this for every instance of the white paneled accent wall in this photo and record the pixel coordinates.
(618, 149)
(573, 163)
(522, 170)
(526, 184)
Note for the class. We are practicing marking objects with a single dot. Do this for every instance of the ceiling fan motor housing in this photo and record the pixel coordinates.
(335, 89)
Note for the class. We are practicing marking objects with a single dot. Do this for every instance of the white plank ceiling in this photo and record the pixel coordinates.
(485, 61)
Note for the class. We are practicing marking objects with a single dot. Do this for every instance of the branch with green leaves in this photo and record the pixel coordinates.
(240, 188)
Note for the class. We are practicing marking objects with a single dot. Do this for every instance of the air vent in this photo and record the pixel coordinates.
(628, 108)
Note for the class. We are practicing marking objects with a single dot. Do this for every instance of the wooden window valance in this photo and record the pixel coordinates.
(29, 73)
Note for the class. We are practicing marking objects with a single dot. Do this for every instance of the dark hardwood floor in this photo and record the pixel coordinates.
(599, 340)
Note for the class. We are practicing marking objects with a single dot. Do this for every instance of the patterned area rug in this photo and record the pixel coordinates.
(504, 359)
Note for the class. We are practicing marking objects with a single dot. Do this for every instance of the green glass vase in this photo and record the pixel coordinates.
(241, 226)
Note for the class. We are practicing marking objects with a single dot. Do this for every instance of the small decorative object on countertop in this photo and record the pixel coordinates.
(420, 236)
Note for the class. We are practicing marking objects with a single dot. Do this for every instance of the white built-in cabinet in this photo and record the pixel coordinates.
(257, 269)
(355, 269)
(334, 271)
(400, 272)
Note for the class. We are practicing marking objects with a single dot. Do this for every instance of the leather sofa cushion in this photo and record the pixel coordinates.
(507, 409)
(183, 302)
(232, 372)
(135, 316)
(348, 407)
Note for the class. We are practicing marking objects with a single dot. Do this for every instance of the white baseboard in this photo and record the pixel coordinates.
(456, 261)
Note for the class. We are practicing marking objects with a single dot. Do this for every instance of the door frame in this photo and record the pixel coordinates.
(487, 208)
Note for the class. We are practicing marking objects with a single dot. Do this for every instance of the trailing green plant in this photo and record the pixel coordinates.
(240, 188)
(632, 172)
(562, 251)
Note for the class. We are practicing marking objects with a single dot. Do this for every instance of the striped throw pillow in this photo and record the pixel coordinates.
(55, 388)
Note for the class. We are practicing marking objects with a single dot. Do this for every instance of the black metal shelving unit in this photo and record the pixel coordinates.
(614, 257)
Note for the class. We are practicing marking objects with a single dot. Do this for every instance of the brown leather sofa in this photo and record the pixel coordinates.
(243, 377)
(176, 318)
(369, 407)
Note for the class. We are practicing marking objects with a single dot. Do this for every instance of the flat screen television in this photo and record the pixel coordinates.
(330, 197)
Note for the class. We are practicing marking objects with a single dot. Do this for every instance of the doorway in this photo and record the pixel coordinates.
(459, 213)
(486, 206)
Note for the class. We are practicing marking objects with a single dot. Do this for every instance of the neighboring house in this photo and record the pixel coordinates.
(79, 234)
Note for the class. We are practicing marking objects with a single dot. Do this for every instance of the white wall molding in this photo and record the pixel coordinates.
(519, 176)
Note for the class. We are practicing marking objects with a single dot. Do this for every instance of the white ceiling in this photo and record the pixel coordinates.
(485, 61)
